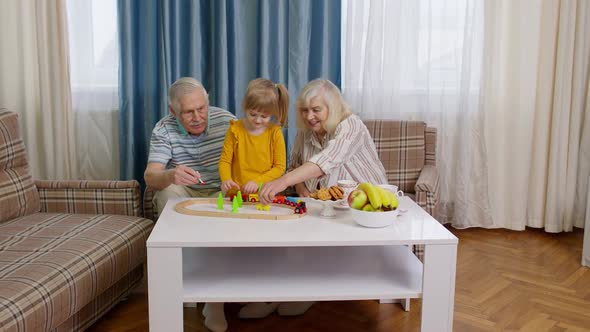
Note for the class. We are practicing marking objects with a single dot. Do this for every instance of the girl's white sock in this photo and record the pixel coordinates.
(215, 317)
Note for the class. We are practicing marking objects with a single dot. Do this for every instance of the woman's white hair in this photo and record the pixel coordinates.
(337, 108)
(181, 87)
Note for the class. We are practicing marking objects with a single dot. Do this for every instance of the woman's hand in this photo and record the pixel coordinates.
(249, 188)
(301, 190)
(228, 184)
(270, 190)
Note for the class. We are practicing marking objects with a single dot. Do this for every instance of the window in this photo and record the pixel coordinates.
(94, 51)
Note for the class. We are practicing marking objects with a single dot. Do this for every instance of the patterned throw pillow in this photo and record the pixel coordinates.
(18, 194)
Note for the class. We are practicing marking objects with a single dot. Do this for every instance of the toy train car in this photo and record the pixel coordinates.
(300, 208)
(292, 201)
(279, 199)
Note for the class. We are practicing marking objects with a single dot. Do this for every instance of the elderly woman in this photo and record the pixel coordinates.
(332, 144)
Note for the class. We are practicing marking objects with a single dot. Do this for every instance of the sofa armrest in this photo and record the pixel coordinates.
(428, 179)
(148, 205)
(90, 197)
(427, 190)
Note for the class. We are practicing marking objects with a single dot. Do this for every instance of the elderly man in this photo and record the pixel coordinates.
(184, 153)
(186, 145)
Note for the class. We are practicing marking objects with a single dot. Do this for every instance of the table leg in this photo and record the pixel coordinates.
(165, 289)
(438, 287)
(405, 303)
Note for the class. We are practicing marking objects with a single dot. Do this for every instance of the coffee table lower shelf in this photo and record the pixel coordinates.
(245, 274)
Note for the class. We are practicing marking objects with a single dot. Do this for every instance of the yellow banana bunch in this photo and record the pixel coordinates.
(394, 201)
(379, 198)
(372, 193)
(387, 198)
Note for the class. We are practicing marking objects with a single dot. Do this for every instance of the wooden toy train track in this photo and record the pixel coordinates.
(182, 207)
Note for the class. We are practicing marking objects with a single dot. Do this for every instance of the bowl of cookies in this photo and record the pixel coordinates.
(328, 198)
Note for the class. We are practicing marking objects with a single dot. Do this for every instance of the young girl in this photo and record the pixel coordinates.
(253, 153)
(254, 147)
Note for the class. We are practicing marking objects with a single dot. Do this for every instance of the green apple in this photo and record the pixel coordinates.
(357, 199)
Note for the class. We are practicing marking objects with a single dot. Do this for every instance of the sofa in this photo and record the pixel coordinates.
(69, 250)
(407, 150)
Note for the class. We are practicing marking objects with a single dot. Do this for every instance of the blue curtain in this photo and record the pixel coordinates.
(224, 44)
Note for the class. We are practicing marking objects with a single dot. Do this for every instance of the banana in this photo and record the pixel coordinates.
(394, 201)
(368, 208)
(385, 197)
(373, 194)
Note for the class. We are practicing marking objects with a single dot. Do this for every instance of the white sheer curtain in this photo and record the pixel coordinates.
(535, 99)
(505, 83)
(421, 60)
(35, 83)
(94, 75)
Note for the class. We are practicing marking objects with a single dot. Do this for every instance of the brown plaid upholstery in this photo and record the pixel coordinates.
(91, 312)
(60, 271)
(97, 197)
(148, 206)
(401, 148)
(52, 265)
(407, 150)
(18, 195)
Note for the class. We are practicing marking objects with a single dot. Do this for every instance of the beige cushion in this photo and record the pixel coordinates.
(18, 194)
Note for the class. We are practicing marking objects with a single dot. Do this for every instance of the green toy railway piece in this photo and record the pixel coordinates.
(220, 202)
(240, 199)
(234, 205)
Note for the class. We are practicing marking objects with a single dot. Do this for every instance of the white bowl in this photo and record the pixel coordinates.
(374, 219)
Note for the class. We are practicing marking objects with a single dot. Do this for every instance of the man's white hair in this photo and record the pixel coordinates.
(181, 87)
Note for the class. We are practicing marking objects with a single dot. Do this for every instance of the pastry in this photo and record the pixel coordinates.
(336, 192)
(324, 194)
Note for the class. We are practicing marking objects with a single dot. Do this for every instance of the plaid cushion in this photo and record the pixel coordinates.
(53, 265)
(18, 195)
(401, 148)
(93, 197)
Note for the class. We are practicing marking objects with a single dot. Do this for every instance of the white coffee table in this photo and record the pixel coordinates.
(206, 259)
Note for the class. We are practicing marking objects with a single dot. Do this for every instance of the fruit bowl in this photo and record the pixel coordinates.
(374, 218)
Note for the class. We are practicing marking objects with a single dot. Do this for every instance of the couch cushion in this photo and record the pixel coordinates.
(401, 148)
(52, 265)
(18, 195)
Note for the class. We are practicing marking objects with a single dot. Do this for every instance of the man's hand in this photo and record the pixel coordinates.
(184, 176)
(250, 188)
(270, 189)
(228, 184)
(301, 190)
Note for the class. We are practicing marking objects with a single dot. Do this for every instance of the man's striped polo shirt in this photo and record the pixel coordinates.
(171, 145)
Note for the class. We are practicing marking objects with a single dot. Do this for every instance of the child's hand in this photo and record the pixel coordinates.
(228, 184)
(250, 188)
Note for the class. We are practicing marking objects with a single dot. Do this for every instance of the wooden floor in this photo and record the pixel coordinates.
(506, 281)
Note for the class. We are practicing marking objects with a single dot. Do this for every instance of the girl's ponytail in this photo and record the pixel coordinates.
(282, 103)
